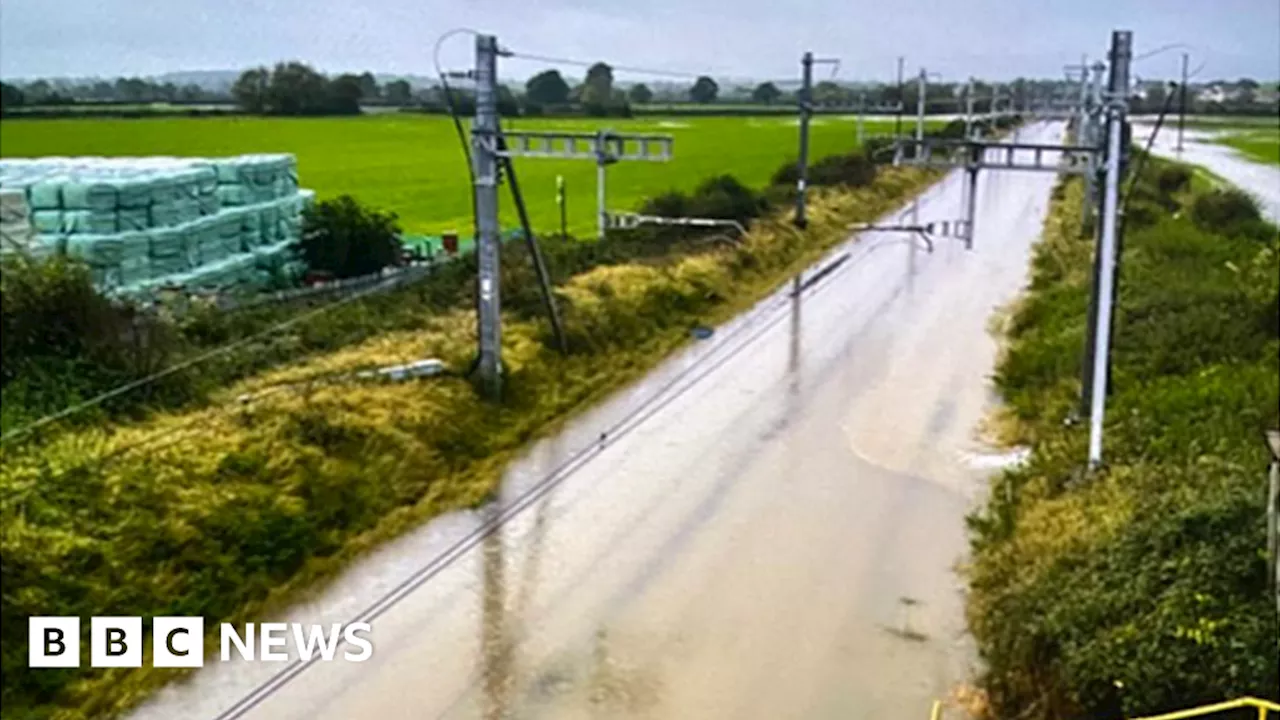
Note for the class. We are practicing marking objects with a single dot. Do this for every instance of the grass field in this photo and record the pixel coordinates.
(1257, 138)
(1259, 145)
(413, 164)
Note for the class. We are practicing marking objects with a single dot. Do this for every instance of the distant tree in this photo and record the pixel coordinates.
(547, 88)
(250, 90)
(640, 94)
(829, 93)
(704, 90)
(134, 90)
(1155, 98)
(190, 93)
(598, 86)
(398, 92)
(344, 93)
(507, 103)
(11, 96)
(102, 90)
(37, 91)
(297, 89)
(369, 89)
(766, 93)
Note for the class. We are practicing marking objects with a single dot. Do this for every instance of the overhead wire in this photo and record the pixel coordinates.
(616, 68)
(1142, 159)
(664, 396)
(187, 364)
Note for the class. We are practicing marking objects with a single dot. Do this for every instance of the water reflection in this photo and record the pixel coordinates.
(496, 648)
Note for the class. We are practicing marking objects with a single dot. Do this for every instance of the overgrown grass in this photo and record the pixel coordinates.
(230, 509)
(1141, 588)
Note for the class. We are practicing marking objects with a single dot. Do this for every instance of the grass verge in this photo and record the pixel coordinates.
(1141, 588)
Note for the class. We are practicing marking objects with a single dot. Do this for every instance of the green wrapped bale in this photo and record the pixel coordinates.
(164, 191)
(133, 271)
(206, 178)
(90, 222)
(46, 194)
(188, 210)
(97, 251)
(209, 204)
(165, 215)
(89, 194)
(171, 252)
(234, 195)
(131, 220)
(134, 194)
(270, 215)
(47, 221)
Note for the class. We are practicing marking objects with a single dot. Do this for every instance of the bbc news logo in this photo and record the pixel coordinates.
(178, 642)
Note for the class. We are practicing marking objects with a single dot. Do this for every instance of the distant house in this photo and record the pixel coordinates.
(1214, 93)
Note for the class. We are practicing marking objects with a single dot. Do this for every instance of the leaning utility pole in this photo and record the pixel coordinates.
(968, 110)
(1118, 90)
(490, 144)
(485, 166)
(897, 128)
(805, 100)
(1182, 101)
(862, 112)
(920, 100)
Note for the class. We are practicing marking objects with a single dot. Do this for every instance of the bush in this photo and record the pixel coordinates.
(726, 198)
(347, 239)
(848, 170)
(787, 174)
(854, 170)
(672, 203)
(1225, 210)
(878, 149)
(61, 340)
(1173, 178)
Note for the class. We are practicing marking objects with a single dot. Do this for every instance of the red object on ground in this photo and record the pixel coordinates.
(315, 277)
(450, 241)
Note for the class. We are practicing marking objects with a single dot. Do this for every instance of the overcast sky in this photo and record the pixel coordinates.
(995, 39)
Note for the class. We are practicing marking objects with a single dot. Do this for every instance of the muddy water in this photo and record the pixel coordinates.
(766, 527)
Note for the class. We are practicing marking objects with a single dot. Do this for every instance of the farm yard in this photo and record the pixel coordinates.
(413, 164)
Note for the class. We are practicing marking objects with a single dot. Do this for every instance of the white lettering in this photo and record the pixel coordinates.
(228, 632)
(273, 636)
(328, 644)
(353, 639)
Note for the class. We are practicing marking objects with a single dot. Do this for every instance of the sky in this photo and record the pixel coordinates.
(759, 39)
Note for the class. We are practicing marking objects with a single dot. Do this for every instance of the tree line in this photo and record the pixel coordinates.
(121, 90)
(295, 88)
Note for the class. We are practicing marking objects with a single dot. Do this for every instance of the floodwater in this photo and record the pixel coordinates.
(767, 526)
(1258, 179)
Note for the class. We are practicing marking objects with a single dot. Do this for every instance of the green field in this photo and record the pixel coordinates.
(413, 164)
(1259, 145)
(1257, 138)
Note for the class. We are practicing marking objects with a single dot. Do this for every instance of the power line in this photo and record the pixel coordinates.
(185, 365)
(648, 408)
(616, 68)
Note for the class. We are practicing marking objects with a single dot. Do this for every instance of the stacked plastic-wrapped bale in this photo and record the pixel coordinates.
(16, 232)
(145, 222)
